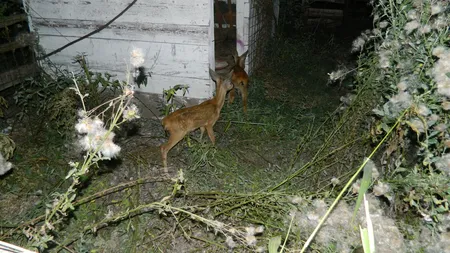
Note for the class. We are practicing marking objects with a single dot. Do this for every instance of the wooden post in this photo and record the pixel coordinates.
(218, 13)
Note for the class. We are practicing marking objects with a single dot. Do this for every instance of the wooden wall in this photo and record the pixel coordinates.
(242, 28)
(175, 36)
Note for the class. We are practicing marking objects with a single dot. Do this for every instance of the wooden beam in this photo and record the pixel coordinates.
(10, 20)
(17, 75)
(14, 45)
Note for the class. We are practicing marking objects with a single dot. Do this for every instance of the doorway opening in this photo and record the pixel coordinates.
(224, 32)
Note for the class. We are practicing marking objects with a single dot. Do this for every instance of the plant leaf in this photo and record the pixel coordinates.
(365, 183)
(274, 244)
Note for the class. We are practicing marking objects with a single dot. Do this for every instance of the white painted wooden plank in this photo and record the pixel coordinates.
(173, 59)
(198, 88)
(239, 17)
(154, 26)
(226, 1)
(120, 49)
(241, 37)
(193, 35)
(246, 9)
(193, 12)
(211, 46)
(246, 31)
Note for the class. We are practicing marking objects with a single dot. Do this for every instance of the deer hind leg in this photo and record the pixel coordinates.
(244, 97)
(231, 95)
(209, 129)
(174, 138)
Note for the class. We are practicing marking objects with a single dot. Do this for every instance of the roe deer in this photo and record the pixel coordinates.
(203, 116)
(239, 79)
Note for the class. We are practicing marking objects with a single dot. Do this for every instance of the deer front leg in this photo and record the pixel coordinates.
(174, 138)
(244, 97)
(231, 95)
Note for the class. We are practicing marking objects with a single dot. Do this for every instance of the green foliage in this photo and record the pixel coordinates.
(367, 236)
(94, 84)
(3, 103)
(411, 58)
(365, 184)
(429, 194)
(7, 146)
(50, 97)
(169, 96)
(63, 110)
(274, 244)
(96, 151)
(35, 95)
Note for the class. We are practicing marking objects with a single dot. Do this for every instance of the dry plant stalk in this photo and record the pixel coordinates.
(203, 116)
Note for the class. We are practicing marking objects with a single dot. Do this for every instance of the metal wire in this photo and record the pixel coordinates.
(260, 32)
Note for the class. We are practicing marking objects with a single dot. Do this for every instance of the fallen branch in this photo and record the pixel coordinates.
(105, 222)
(243, 122)
(82, 201)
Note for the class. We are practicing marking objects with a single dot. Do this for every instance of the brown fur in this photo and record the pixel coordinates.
(239, 79)
(203, 116)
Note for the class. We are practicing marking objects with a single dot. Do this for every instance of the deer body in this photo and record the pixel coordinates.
(203, 116)
(239, 79)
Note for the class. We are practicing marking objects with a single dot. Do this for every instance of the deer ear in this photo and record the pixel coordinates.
(242, 59)
(229, 75)
(235, 56)
(213, 75)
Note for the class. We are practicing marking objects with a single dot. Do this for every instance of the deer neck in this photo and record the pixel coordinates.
(219, 98)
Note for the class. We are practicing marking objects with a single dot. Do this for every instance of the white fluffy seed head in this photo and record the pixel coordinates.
(137, 57)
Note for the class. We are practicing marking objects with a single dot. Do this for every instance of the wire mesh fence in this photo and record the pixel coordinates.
(261, 28)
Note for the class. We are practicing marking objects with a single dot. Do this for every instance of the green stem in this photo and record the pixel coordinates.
(322, 221)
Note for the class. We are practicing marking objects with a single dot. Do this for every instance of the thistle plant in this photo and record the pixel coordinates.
(96, 137)
(408, 53)
(410, 44)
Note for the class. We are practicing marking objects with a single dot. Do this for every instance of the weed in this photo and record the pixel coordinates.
(7, 146)
(4, 104)
(169, 98)
(48, 96)
(411, 49)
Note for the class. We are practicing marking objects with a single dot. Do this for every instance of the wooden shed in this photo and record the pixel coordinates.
(176, 36)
